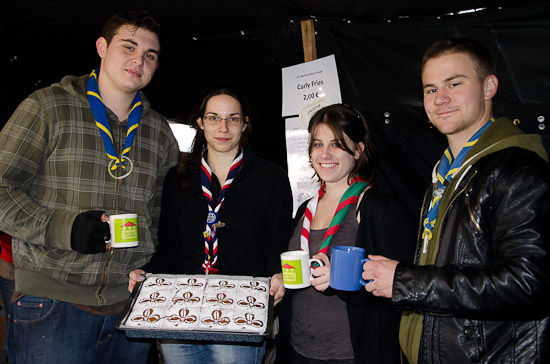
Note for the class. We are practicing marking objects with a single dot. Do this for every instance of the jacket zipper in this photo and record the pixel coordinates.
(100, 294)
(111, 250)
(469, 206)
(421, 228)
(454, 199)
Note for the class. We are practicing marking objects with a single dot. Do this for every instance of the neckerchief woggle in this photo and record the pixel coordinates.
(102, 122)
(210, 237)
(446, 171)
(358, 184)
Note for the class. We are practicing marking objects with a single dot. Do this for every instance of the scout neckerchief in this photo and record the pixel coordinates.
(446, 171)
(102, 122)
(210, 237)
(358, 184)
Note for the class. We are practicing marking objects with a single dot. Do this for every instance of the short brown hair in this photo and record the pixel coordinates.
(480, 55)
(134, 18)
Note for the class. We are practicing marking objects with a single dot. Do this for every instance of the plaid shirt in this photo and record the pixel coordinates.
(53, 166)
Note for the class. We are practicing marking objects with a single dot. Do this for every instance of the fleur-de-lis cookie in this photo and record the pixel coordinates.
(148, 316)
(248, 320)
(251, 302)
(160, 282)
(191, 282)
(186, 297)
(220, 298)
(216, 319)
(154, 297)
(183, 316)
(223, 285)
(256, 286)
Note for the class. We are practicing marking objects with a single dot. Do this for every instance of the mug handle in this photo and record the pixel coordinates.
(318, 261)
(361, 280)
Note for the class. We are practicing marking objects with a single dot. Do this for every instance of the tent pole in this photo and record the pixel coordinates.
(308, 40)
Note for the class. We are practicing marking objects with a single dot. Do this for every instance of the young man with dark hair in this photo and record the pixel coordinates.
(478, 291)
(71, 154)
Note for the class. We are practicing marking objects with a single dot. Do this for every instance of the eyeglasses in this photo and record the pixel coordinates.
(216, 120)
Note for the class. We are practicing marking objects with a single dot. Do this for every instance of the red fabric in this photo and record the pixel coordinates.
(5, 243)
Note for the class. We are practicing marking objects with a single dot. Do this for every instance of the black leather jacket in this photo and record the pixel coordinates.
(487, 297)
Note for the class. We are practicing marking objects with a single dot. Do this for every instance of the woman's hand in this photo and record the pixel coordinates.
(277, 289)
(136, 275)
(322, 273)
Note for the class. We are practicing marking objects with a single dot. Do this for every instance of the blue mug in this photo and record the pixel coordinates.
(346, 267)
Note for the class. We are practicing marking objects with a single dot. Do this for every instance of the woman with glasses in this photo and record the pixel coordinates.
(321, 324)
(224, 211)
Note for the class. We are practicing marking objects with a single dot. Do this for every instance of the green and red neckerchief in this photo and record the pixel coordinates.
(358, 184)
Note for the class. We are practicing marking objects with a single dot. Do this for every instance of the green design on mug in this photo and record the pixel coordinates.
(126, 230)
(292, 271)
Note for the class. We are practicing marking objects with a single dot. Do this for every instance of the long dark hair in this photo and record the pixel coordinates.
(186, 160)
(343, 119)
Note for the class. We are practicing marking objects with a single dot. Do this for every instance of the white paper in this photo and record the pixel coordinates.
(306, 82)
(307, 111)
(300, 172)
(184, 134)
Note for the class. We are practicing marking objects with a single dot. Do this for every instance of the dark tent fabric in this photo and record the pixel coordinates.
(377, 48)
(379, 69)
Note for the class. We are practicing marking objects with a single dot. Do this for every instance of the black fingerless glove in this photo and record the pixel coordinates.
(89, 233)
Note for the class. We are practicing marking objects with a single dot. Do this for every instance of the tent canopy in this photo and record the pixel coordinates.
(377, 45)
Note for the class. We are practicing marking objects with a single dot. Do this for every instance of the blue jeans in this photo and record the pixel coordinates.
(198, 352)
(43, 330)
(7, 286)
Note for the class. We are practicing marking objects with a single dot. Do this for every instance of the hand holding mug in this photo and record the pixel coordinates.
(322, 273)
(297, 271)
(90, 232)
(380, 271)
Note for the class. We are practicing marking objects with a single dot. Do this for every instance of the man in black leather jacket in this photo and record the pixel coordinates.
(479, 291)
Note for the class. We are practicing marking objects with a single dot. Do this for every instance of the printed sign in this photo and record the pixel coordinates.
(304, 83)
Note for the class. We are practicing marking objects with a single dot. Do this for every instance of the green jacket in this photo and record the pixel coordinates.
(53, 166)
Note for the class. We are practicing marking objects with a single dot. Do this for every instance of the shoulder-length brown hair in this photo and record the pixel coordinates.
(343, 119)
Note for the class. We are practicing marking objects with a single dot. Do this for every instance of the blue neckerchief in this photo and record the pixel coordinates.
(447, 168)
(102, 122)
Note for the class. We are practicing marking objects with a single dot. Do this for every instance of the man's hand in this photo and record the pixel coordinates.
(89, 233)
(380, 270)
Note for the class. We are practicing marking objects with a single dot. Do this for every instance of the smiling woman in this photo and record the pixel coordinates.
(222, 124)
(225, 211)
(345, 327)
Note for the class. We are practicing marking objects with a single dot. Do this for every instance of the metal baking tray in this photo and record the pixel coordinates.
(203, 335)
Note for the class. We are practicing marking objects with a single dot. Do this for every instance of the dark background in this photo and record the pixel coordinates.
(377, 44)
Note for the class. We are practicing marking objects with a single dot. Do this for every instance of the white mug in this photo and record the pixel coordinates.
(124, 230)
(297, 270)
